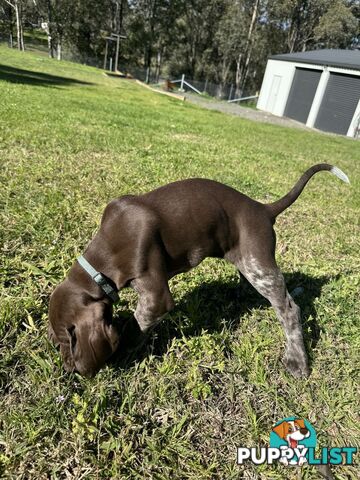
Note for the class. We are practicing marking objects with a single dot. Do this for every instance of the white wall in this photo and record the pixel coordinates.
(284, 70)
(277, 82)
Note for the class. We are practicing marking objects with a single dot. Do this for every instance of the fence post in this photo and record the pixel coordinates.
(182, 82)
(110, 64)
(117, 53)
(106, 54)
(231, 89)
(206, 84)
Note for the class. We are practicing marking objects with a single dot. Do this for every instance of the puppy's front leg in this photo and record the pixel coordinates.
(154, 302)
(155, 299)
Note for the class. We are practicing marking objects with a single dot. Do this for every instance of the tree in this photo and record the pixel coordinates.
(222, 41)
(235, 38)
(243, 60)
(149, 30)
(195, 51)
(16, 5)
(6, 21)
(337, 27)
(308, 23)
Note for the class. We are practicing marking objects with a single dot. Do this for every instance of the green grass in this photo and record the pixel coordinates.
(210, 378)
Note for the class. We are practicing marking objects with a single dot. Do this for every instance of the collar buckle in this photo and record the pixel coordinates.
(99, 279)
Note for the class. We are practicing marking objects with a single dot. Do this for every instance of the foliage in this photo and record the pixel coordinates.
(308, 24)
(215, 40)
(210, 378)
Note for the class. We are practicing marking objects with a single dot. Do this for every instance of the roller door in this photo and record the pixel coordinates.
(339, 103)
(302, 94)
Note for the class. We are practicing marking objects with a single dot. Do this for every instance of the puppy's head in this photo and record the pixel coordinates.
(83, 328)
(295, 429)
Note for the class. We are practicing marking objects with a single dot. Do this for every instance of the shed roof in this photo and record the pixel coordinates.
(330, 57)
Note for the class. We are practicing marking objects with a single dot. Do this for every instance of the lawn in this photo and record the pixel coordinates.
(211, 377)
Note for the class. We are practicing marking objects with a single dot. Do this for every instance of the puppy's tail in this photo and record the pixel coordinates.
(280, 205)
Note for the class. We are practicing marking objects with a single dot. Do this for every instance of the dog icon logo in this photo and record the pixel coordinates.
(293, 442)
(294, 436)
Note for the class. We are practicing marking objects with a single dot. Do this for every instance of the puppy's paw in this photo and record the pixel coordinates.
(296, 366)
(131, 339)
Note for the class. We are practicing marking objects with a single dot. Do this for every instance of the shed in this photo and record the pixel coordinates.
(320, 88)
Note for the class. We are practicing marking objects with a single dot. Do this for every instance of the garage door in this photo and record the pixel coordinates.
(339, 103)
(302, 94)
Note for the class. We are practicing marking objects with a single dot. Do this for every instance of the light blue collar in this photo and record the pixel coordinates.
(104, 283)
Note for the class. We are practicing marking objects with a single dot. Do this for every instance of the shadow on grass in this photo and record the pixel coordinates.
(28, 77)
(216, 305)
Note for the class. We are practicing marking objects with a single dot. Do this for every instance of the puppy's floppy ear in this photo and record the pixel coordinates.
(93, 339)
(281, 429)
(300, 422)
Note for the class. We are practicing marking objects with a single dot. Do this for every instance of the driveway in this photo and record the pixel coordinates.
(244, 112)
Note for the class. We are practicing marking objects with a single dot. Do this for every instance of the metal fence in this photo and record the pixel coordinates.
(183, 83)
(186, 84)
(221, 91)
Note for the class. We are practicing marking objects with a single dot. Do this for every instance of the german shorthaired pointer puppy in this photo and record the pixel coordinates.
(145, 240)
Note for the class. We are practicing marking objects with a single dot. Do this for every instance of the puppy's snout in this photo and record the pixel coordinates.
(304, 431)
(88, 373)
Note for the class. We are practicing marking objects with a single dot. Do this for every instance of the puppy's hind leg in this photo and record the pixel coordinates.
(268, 280)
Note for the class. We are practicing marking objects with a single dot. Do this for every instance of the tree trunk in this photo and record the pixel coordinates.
(120, 17)
(17, 26)
(295, 27)
(9, 12)
(148, 55)
(292, 40)
(225, 67)
(21, 32)
(238, 76)
(242, 65)
(49, 30)
(150, 41)
(19, 29)
(158, 65)
(50, 41)
(58, 48)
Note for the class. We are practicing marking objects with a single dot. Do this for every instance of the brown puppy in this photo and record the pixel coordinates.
(145, 240)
